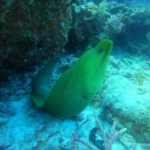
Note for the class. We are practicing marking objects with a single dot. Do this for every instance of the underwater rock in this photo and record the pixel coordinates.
(129, 104)
(7, 109)
(141, 91)
(88, 22)
(98, 142)
(32, 31)
(116, 25)
(3, 145)
(28, 137)
(128, 141)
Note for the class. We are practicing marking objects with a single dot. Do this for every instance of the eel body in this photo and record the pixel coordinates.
(76, 87)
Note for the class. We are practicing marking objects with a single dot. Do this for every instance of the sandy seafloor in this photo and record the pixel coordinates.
(126, 89)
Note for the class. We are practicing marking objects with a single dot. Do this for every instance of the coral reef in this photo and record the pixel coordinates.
(134, 24)
(109, 19)
(40, 29)
(31, 31)
(88, 20)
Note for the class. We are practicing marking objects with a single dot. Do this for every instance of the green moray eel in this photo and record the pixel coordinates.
(76, 87)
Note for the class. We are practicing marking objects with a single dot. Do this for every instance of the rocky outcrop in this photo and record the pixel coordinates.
(32, 30)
